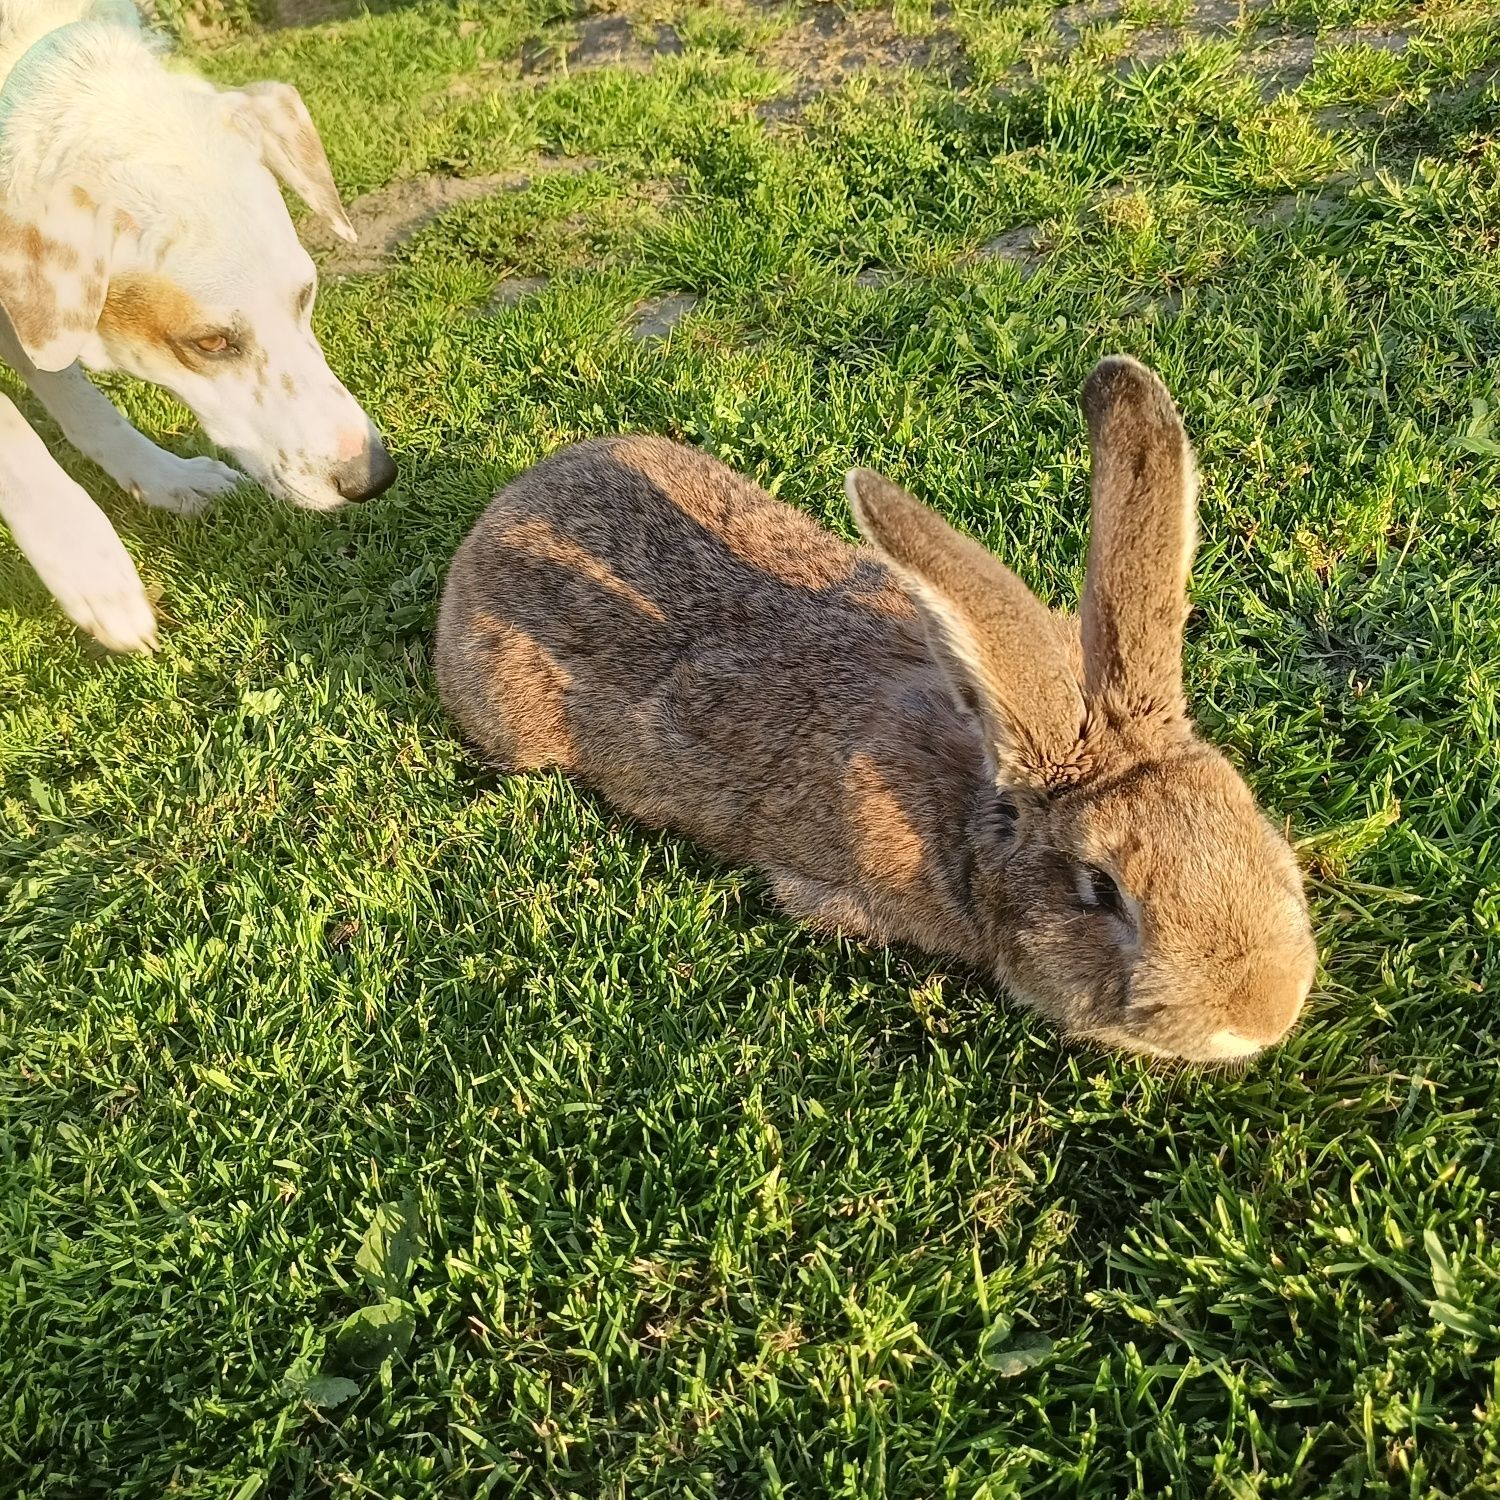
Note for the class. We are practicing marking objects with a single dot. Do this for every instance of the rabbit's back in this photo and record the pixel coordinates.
(635, 612)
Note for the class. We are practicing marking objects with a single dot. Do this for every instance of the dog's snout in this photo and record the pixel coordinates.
(368, 474)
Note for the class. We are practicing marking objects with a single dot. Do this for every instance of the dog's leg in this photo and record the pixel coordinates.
(69, 541)
(90, 422)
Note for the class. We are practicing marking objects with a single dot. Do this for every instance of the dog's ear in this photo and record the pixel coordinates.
(55, 251)
(274, 116)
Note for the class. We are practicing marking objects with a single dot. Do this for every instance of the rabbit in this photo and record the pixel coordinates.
(902, 737)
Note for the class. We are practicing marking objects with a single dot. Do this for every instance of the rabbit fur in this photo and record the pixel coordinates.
(909, 744)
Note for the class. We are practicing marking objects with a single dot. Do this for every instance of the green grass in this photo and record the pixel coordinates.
(673, 1198)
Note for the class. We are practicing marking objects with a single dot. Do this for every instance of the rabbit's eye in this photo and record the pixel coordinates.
(1098, 891)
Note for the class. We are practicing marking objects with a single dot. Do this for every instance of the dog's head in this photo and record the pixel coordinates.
(179, 264)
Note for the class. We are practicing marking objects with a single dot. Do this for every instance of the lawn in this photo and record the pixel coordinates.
(373, 1125)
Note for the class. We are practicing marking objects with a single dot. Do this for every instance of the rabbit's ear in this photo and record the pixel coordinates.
(1145, 491)
(998, 643)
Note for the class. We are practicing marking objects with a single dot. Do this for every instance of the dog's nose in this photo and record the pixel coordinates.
(368, 474)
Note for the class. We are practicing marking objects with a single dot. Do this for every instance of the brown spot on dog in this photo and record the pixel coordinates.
(60, 255)
(26, 291)
(82, 200)
(307, 149)
(289, 385)
(145, 309)
(42, 286)
(34, 319)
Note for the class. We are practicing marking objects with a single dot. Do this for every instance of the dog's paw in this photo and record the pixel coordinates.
(95, 582)
(104, 597)
(119, 621)
(183, 485)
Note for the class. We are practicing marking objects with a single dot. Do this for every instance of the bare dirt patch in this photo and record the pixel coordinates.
(1071, 20)
(657, 318)
(1285, 60)
(1302, 208)
(1149, 47)
(309, 12)
(1282, 63)
(612, 41)
(828, 47)
(388, 217)
(1021, 246)
(1314, 205)
(1380, 41)
(604, 40)
(514, 290)
(1220, 15)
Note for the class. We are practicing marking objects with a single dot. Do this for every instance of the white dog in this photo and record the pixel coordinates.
(141, 229)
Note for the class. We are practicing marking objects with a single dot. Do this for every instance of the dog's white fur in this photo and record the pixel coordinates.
(140, 224)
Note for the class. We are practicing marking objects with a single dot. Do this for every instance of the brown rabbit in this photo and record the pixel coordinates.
(909, 744)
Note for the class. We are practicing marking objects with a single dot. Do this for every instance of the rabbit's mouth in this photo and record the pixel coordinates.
(1194, 1014)
(1222, 1048)
(1230, 1046)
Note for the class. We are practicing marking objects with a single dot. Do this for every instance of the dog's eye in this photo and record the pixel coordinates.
(212, 343)
(1098, 892)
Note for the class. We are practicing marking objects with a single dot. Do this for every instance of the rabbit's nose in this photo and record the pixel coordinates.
(1264, 1004)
